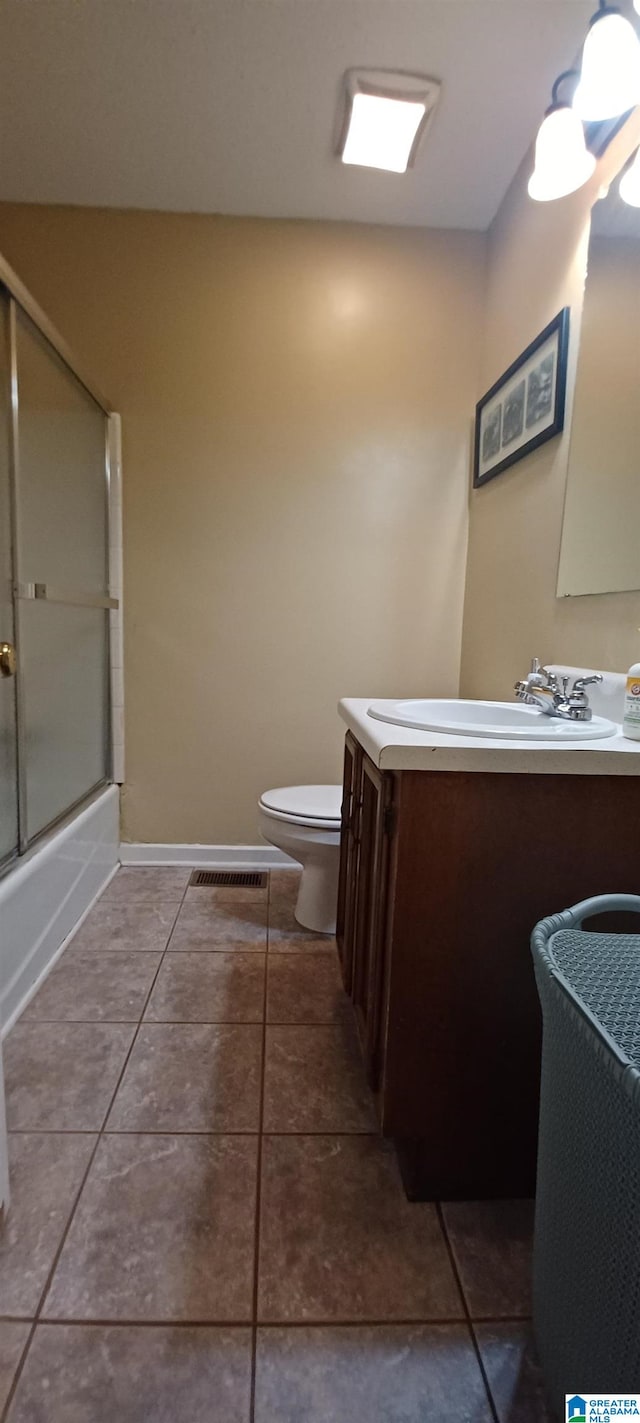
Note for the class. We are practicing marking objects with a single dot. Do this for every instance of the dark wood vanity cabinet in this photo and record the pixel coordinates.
(362, 900)
(443, 876)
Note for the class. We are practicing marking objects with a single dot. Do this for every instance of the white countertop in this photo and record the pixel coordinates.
(399, 748)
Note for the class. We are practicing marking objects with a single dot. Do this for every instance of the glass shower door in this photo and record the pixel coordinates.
(8, 738)
(62, 559)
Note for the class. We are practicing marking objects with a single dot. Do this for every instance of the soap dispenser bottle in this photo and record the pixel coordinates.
(631, 721)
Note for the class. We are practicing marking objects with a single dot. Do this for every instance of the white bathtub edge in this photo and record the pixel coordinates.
(46, 897)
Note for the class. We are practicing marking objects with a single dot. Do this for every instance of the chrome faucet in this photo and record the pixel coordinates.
(555, 698)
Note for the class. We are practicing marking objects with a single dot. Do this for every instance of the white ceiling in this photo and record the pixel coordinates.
(230, 105)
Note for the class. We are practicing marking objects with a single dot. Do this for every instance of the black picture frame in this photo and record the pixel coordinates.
(535, 403)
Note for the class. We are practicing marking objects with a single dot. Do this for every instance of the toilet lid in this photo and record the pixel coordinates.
(319, 803)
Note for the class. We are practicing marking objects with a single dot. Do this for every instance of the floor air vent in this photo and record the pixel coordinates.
(232, 879)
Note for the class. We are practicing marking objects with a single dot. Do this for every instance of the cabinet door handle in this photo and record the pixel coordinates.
(8, 660)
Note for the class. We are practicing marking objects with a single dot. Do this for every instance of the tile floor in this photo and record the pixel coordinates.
(205, 1226)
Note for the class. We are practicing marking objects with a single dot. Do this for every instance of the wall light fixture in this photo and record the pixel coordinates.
(610, 78)
(562, 162)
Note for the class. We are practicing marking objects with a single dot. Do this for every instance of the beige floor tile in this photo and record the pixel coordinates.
(227, 894)
(13, 1338)
(284, 886)
(514, 1373)
(339, 1240)
(492, 1242)
(205, 926)
(283, 925)
(209, 988)
(126, 1374)
(129, 928)
(146, 883)
(302, 943)
(184, 1077)
(380, 1374)
(61, 1076)
(314, 1081)
(46, 1172)
(96, 987)
(305, 988)
(164, 1230)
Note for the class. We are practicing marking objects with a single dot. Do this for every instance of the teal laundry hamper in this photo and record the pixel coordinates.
(586, 1274)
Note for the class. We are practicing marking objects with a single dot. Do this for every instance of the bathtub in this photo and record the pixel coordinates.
(48, 893)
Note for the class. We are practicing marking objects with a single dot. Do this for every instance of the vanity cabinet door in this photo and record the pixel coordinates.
(349, 838)
(369, 938)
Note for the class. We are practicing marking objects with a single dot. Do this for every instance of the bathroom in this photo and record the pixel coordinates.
(283, 354)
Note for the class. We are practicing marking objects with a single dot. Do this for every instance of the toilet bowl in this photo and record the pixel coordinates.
(304, 821)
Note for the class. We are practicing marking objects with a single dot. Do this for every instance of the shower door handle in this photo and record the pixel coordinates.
(8, 660)
(72, 598)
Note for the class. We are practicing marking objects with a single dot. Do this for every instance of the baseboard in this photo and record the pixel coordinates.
(210, 857)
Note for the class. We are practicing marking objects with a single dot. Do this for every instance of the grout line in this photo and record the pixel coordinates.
(501, 1319)
(218, 949)
(337, 1023)
(64, 1321)
(167, 1022)
(54, 1265)
(225, 948)
(153, 1131)
(192, 1131)
(188, 1131)
(185, 953)
(471, 1330)
(226, 1131)
(256, 1253)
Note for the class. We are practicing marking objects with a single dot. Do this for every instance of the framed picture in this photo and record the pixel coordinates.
(525, 407)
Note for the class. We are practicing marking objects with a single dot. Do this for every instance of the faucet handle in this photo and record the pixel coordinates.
(538, 676)
(582, 682)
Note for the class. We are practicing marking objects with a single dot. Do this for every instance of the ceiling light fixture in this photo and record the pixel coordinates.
(563, 162)
(630, 183)
(385, 117)
(610, 80)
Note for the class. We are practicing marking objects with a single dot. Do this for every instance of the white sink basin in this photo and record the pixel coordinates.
(506, 720)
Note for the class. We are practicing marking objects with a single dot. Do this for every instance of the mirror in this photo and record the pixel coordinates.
(600, 548)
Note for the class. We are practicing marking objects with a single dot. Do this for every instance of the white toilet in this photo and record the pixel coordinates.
(304, 821)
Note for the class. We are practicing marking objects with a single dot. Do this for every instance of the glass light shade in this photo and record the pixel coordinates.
(610, 79)
(381, 132)
(630, 183)
(563, 162)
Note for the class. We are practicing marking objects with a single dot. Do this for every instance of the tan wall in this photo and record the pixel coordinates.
(536, 265)
(295, 402)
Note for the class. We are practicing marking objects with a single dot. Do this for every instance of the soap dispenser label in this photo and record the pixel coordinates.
(632, 700)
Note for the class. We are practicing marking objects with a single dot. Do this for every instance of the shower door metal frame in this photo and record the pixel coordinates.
(7, 860)
(20, 298)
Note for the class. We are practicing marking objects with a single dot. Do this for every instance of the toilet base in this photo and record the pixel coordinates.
(318, 894)
(316, 847)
